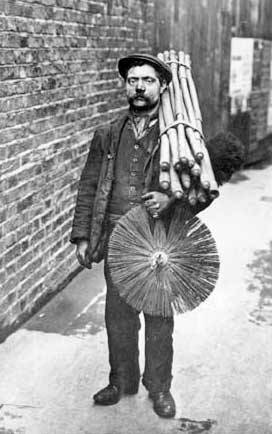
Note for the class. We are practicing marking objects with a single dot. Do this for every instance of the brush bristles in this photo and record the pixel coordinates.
(187, 278)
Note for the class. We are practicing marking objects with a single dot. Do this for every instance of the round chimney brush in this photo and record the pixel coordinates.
(160, 270)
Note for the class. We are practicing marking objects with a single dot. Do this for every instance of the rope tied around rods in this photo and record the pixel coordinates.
(186, 124)
(178, 62)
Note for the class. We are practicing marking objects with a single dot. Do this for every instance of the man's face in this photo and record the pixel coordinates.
(143, 87)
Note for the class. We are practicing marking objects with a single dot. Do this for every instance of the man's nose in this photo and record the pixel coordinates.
(140, 85)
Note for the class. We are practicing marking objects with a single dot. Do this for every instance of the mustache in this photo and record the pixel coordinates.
(139, 96)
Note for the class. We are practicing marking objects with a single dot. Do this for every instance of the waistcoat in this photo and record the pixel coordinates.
(132, 156)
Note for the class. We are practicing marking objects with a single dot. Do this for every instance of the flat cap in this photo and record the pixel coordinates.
(125, 63)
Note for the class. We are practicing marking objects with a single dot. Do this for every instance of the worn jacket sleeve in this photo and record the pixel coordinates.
(87, 190)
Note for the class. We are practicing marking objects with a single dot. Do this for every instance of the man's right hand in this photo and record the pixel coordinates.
(82, 254)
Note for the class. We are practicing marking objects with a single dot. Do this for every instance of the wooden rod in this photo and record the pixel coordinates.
(164, 144)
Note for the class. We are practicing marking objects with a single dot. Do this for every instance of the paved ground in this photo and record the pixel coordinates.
(222, 384)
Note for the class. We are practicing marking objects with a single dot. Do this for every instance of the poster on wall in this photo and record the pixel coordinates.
(269, 111)
(241, 71)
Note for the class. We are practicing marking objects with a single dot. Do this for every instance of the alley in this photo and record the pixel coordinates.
(52, 366)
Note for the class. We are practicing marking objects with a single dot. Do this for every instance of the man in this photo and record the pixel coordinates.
(122, 171)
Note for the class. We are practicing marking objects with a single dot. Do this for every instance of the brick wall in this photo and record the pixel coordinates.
(58, 83)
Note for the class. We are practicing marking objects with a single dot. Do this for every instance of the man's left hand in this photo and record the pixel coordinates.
(156, 202)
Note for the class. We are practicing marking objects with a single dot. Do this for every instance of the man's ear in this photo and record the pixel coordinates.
(163, 86)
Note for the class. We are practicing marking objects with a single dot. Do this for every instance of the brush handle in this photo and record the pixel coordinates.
(164, 145)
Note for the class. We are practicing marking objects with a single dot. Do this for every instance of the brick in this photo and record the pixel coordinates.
(58, 84)
(36, 224)
(9, 166)
(95, 8)
(33, 279)
(38, 236)
(46, 217)
(10, 239)
(3, 215)
(11, 269)
(23, 231)
(28, 270)
(3, 152)
(23, 303)
(36, 292)
(25, 259)
(10, 285)
(56, 247)
(12, 253)
(25, 203)
(24, 245)
(2, 277)
(14, 312)
(4, 307)
(15, 194)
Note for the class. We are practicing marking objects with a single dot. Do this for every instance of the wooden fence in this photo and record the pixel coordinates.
(204, 28)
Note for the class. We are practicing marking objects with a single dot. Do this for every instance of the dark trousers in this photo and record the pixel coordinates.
(123, 324)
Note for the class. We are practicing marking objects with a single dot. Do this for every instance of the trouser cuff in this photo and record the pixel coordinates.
(125, 383)
(155, 387)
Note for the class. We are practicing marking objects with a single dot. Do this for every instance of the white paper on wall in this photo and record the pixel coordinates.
(241, 71)
(269, 111)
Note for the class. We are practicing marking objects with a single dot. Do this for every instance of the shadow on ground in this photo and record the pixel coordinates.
(190, 426)
(78, 310)
(238, 177)
(260, 165)
(261, 269)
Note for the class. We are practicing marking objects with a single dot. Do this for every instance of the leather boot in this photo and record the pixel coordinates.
(163, 404)
(110, 395)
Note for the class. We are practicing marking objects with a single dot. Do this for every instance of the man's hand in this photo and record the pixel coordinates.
(156, 202)
(82, 254)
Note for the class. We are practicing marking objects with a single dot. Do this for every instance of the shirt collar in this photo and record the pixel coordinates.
(149, 116)
(141, 123)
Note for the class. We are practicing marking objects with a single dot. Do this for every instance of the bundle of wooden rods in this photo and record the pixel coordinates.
(185, 167)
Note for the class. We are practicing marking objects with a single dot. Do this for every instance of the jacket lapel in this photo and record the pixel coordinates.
(116, 129)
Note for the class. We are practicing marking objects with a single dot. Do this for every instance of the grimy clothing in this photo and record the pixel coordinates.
(132, 155)
(122, 321)
(112, 181)
(96, 185)
(123, 324)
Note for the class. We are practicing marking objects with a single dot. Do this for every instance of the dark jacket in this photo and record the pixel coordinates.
(96, 183)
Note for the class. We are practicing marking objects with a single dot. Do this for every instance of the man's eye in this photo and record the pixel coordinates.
(131, 81)
(149, 80)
